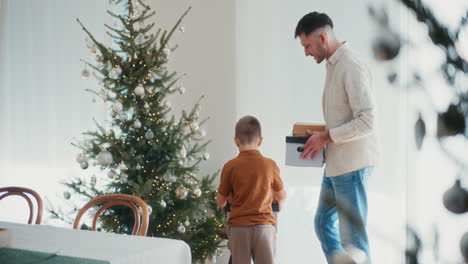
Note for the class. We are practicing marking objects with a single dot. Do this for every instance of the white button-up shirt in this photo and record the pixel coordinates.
(349, 113)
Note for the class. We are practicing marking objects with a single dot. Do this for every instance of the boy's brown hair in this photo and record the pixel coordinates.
(248, 129)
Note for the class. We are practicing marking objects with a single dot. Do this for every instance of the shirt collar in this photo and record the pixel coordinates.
(249, 152)
(338, 53)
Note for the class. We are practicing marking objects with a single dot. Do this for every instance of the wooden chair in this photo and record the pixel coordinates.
(23, 192)
(135, 203)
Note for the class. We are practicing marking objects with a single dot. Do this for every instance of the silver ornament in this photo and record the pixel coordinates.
(122, 166)
(167, 177)
(149, 135)
(167, 51)
(187, 223)
(194, 126)
(163, 204)
(150, 209)
(124, 177)
(104, 158)
(181, 229)
(456, 199)
(117, 107)
(85, 74)
(123, 117)
(138, 167)
(205, 155)
(114, 73)
(197, 192)
(139, 91)
(202, 132)
(84, 165)
(181, 90)
(181, 192)
(137, 124)
(66, 195)
(146, 106)
(182, 28)
(80, 158)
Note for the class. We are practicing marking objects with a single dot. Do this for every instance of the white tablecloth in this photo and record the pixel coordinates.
(115, 248)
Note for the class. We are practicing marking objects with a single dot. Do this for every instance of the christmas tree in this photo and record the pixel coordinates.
(142, 150)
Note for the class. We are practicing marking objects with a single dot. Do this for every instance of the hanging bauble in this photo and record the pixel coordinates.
(456, 199)
(124, 177)
(183, 152)
(117, 107)
(205, 155)
(149, 134)
(104, 158)
(93, 181)
(187, 223)
(450, 123)
(197, 192)
(138, 167)
(162, 204)
(202, 132)
(122, 166)
(84, 165)
(150, 209)
(167, 51)
(386, 46)
(123, 117)
(146, 106)
(181, 192)
(194, 126)
(137, 124)
(115, 72)
(167, 177)
(181, 229)
(181, 90)
(139, 91)
(464, 246)
(80, 157)
(85, 74)
(66, 195)
(111, 174)
(111, 95)
(182, 28)
(419, 132)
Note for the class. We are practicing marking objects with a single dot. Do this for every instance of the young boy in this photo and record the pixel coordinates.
(249, 179)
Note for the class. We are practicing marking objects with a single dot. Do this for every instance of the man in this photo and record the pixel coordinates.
(351, 145)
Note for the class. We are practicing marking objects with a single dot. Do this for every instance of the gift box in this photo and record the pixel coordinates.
(295, 146)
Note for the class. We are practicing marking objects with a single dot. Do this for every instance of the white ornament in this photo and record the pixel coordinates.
(206, 155)
(183, 152)
(123, 117)
(111, 174)
(182, 28)
(181, 162)
(93, 180)
(202, 132)
(117, 107)
(139, 91)
(80, 158)
(122, 166)
(85, 74)
(150, 209)
(114, 73)
(181, 229)
(124, 177)
(197, 192)
(167, 51)
(137, 124)
(146, 106)
(163, 204)
(138, 167)
(194, 126)
(149, 135)
(66, 195)
(181, 90)
(181, 192)
(187, 223)
(104, 158)
(167, 177)
(84, 165)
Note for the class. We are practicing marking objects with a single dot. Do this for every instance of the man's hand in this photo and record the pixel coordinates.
(316, 142)
(221, 201)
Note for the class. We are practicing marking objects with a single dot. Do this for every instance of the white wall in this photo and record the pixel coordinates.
(279, 85)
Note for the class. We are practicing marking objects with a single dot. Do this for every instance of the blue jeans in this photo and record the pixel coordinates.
(343, 198)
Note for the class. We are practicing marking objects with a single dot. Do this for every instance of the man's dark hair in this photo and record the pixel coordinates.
(248, 129)
(311, 22)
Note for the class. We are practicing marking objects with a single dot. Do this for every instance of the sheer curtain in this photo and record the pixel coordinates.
(43, 100)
